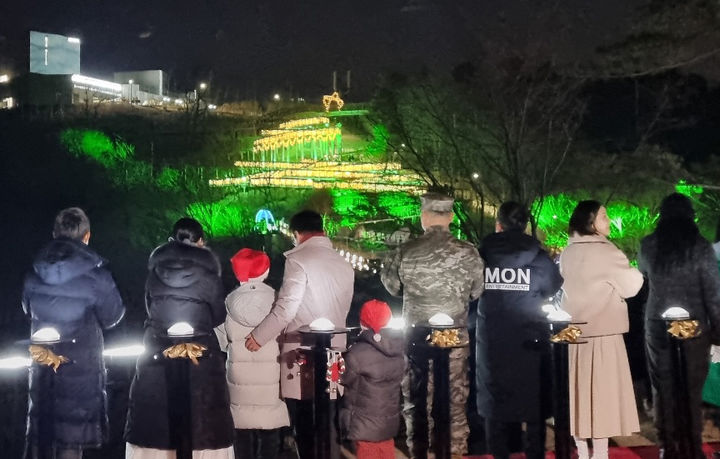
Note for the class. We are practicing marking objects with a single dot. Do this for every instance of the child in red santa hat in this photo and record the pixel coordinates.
(374, 365)
(253, 378)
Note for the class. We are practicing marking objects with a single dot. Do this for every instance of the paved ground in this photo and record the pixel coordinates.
(638, 446)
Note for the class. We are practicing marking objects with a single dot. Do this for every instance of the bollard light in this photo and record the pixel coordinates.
(132, 350)
(675, 313)
(397, 323)
(441, 319)
(181, 329)
(12, 363)
(555, 313)
(45, 335)
(322, 324)
(559, 315)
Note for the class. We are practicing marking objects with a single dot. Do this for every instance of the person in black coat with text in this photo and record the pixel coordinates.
(512, 348)
(183, 285)
(71, 291)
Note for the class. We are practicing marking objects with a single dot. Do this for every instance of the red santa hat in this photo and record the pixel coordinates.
(375, 314)
(249, 264)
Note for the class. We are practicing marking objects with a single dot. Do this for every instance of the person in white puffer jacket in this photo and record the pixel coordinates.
(253, 377)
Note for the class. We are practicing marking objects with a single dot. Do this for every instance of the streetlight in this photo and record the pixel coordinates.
(276, 97)
(203, 86)
(130, 83)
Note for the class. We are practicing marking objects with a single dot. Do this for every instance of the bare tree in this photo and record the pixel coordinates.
(489, 134)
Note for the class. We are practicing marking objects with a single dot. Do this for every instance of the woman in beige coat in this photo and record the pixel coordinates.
(598, 278)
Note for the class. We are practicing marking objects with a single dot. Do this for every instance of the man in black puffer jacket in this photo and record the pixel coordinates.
(71, 291)
(370, 412)
(512, 358)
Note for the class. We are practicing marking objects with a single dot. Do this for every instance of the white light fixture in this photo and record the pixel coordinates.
(133, 350)
(475, 175)
(130, 81)
(203, 86)
(181, 329)
(555, 313)
(45, 335)
(276, 97)
(441, 319)
(559, 315)
(675, 313)
(4, 78)
(11, 363)
(73, 40)
(322, 324)
(397, 323)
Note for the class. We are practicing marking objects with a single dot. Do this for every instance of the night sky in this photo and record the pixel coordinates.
(253, 48)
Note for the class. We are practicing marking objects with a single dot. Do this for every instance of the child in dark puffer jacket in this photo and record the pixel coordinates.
(370, 411)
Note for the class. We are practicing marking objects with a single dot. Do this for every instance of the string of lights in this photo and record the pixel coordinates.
(294, 124)
(292, 138)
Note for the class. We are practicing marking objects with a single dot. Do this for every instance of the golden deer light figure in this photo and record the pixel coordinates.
(334, 97)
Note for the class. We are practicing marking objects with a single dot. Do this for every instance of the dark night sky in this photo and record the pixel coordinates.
(259, 46)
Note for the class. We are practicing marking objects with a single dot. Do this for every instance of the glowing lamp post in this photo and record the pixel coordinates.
(443, 338)
(42, 344)
(177, 380)
(681, 327)
(325, 440)
(562, 334)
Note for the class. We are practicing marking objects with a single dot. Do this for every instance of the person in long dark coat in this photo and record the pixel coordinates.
(681, 269)
(183, 285)
(70, 290)
(512, 358)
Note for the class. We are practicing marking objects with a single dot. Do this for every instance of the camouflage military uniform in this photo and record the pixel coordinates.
(434, 273)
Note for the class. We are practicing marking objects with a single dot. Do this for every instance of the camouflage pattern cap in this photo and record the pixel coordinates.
(437, 202)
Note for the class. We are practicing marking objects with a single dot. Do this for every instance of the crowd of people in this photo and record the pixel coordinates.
(250, 375)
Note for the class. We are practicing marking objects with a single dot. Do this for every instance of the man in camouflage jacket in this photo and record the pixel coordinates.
(435, 273)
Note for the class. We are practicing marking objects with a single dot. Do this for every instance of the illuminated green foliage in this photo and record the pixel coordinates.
(168, 179)
(330, 226)
(96, 145)
(553, 218)
(379, 143)
(688, 190)
(352, 206)
(399, 205)
(223, 218)
(628, 221)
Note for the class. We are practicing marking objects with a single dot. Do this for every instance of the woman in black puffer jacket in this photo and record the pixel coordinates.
(183, 285)
(682, 271)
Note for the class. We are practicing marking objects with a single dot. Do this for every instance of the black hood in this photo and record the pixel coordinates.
(512, 249)
(181, 265)
(391, 341)
(64, 259)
